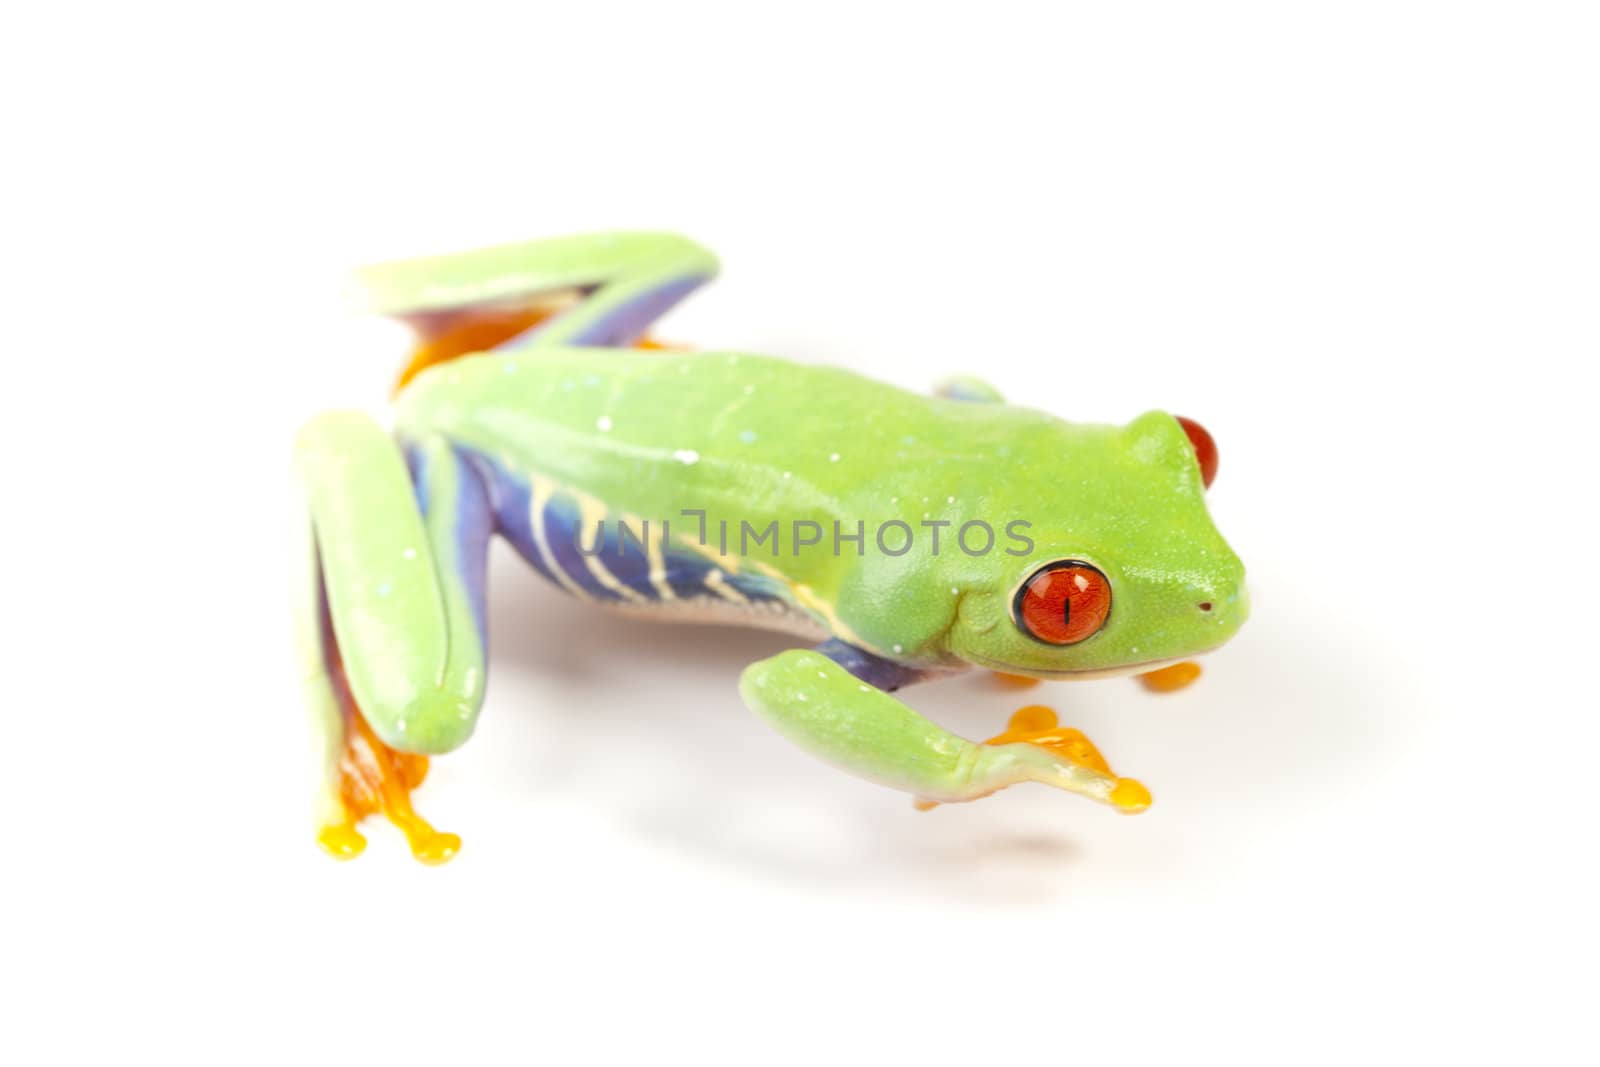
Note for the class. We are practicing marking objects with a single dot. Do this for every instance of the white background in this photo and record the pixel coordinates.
(1357, 240)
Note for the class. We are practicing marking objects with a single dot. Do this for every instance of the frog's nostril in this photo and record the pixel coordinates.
(1205, 605)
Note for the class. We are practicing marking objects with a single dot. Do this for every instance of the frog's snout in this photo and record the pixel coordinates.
(1211, 611)
(1226, 609)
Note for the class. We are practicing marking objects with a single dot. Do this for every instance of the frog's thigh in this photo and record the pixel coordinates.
(840, 718)
(402, 570)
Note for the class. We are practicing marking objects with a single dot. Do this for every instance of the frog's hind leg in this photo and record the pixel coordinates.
(592, 290)
(361, 775)
(391, 619)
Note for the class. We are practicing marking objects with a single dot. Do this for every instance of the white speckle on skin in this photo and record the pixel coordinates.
(385, 589)
(603, 424)
(822, 674)
(747, 436)
(788, 474)
(686, 456)
(410, 553)
(949, 500)
(801, 696)
(400, 724)
(898, 649)
(954, 591)
(865, 688)
(833, 458)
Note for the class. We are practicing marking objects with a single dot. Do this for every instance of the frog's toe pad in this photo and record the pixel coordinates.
(1130, 796)
(1171, 679)
(342, 841)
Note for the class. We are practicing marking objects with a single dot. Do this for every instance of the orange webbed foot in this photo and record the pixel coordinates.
(376, 779)
(1038, 725)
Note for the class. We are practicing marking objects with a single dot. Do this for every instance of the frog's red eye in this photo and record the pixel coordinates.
(1205, 448)
(1064, 603)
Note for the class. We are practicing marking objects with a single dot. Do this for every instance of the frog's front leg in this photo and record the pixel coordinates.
(840, 718)
(391, 621)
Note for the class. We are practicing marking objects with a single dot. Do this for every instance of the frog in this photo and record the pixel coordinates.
(898, 536)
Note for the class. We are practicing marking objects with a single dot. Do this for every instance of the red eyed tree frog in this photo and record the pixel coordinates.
(909, 537)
